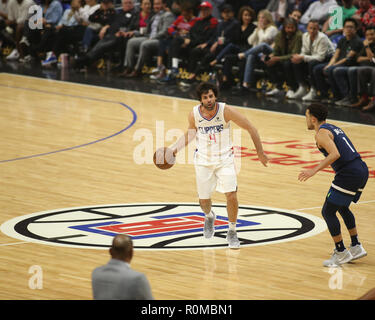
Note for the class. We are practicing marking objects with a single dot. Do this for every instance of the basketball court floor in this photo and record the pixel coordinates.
(76, 168)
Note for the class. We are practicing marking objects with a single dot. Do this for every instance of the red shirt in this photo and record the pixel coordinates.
(181, 24)
(367, 16)
(142, 21)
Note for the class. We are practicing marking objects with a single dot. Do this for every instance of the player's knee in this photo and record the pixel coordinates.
(231, 196)
(329, 214)
(329, 209)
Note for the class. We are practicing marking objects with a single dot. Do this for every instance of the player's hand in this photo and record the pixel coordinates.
(263, 159)
(306, 174)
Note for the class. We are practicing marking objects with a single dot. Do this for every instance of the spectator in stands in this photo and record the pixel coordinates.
(90, 29)
(60, 37)
(216, 8)
(35, 40)
(345, 56)
(316, 49)
(79, 36)
(318, 10)
(3, 12)
(363, 75)
(261, 40)
(143, 16)
(18, 12)
(114, 33)
(371, 105)
(177, 32)
(69, 35)
(279, 10)
(229, 55)
(3, 25)
(365, 15)
(225, 33)
(296, 15)
(147, 44)
(100, 21)
(53, 12)
(279, 66)
(333, 27)
(194, 43)
(346, 79)
(137, 28)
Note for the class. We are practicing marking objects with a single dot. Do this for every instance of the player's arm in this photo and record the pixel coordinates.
(231, 114)
(189, 135)
(324, 139)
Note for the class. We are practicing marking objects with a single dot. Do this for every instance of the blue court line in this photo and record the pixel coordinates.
(134, 114)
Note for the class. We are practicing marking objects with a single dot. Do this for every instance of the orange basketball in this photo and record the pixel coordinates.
(164, 158)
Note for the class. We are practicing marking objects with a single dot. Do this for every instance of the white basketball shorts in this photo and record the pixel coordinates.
(222, 177)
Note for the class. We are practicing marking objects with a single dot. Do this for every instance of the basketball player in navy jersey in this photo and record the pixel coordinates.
(209, 124)
(351, 175)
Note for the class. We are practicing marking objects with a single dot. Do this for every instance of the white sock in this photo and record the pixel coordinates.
(175, 63)
(210, 215)
(232, 226)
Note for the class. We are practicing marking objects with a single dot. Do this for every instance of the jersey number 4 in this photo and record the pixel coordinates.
(212, 138)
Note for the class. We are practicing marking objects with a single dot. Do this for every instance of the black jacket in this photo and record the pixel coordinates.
(226, 28)
(202, 31)
(122, 19)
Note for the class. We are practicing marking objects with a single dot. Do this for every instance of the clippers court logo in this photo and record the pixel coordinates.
(159, 226)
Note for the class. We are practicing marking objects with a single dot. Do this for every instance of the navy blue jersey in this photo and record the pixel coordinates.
(343, 145)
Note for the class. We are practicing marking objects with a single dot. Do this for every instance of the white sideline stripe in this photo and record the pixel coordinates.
(311, 208)
(12, 243)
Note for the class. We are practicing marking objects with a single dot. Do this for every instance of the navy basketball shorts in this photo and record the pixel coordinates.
(348, 184)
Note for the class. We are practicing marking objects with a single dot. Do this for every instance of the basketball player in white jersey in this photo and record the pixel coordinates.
(209, 124)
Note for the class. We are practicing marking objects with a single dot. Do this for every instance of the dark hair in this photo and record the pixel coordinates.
(318, 110)
(291, 21)
(370, 27)
(122, 247)
(294, 10)
(204, 87)
(288, 21)
(250, 10)
(313, 21)
(186, 6)
(351, 20)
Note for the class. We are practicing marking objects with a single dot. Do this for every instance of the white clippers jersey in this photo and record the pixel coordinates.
(213, 141)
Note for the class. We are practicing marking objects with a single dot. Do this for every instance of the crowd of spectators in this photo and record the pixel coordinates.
(306, 49)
